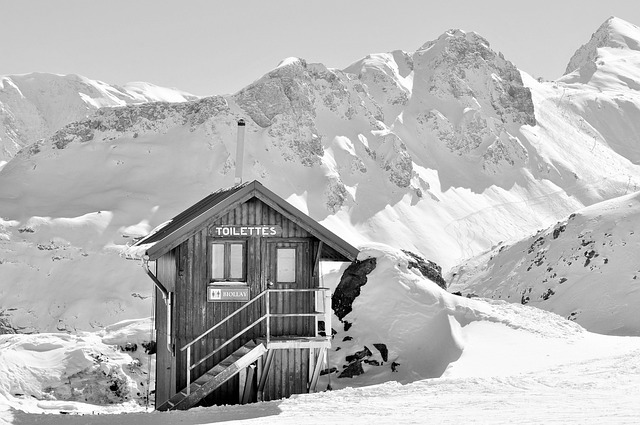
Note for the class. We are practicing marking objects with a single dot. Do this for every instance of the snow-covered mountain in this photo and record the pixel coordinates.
(584, 268)
(445, 151)
(34, 106)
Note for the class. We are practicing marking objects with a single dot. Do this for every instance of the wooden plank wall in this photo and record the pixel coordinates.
(194, 315)
(288, 374)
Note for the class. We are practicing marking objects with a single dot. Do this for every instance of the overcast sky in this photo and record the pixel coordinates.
(218, 46)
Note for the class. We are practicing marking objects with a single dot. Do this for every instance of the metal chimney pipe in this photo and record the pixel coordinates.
(240, 151)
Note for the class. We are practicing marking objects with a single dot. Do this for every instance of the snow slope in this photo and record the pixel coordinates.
(34, 106)
(583, 268)
(504, 363)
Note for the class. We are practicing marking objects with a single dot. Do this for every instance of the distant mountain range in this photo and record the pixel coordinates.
(34, 106)
(447, 151)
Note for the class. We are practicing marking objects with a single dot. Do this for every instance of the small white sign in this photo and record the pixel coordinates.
(227, 293)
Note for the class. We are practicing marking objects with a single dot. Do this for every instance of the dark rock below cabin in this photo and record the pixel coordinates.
(354, 369)
(353, 278)
(384, 352)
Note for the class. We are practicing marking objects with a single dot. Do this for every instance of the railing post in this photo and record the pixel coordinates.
(327, 313)
(188, 370)
(268, 312)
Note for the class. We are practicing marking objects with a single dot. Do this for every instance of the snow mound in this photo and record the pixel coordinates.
(582, 268)
(82, 372)
(404, 327)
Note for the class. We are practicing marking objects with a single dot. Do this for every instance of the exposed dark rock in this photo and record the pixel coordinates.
(328, 371)
(589, 254)
(558, 230)
(129, 346)
(353, 278)
(538, 242)
(428, 268)
(149, 347)
(525, 298)
(394, 366)
(354, 369)
(359, 355)
(347, 338)
(547, 294)
(384, 352)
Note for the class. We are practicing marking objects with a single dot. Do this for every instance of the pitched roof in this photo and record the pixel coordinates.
(182, 226)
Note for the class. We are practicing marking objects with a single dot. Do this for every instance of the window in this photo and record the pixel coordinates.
(227, 261)
(286, 261)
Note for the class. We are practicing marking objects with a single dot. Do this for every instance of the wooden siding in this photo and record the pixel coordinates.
(288, 374)
(194, 315)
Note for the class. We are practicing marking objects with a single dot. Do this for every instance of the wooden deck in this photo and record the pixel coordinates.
(286, 342)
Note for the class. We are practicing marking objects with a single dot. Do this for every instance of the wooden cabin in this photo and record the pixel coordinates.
(240, 312)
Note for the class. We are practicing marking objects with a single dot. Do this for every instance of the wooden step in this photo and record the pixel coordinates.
(215, 377)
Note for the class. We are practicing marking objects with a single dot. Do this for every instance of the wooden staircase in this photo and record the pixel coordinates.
(215, 377)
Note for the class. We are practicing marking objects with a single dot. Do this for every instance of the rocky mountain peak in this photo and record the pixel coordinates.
(459, 43)
(613, 33)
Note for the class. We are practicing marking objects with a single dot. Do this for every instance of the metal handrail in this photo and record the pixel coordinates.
(229, 341)
(211, 329)
(267, 315)
(298, 290)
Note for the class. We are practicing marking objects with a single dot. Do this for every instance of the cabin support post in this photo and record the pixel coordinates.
(265, 374)
(316, 371)
(327, 314)
(247, 393)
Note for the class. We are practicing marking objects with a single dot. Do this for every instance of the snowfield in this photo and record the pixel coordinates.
(600, 390)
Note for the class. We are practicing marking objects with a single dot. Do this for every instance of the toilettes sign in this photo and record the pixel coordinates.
(260, 230)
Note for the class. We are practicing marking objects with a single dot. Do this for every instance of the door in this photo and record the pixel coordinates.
(288, 268)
